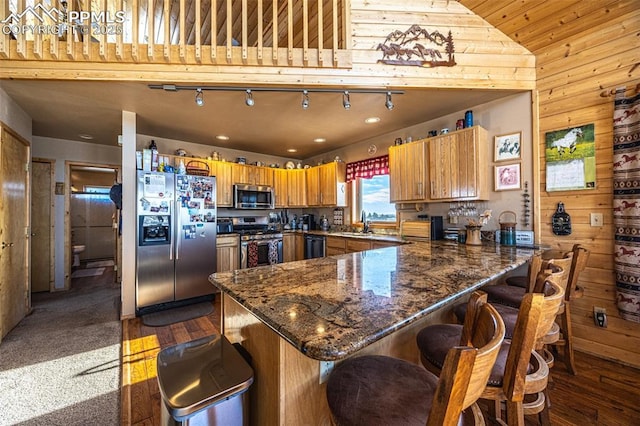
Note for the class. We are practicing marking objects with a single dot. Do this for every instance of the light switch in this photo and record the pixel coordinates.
(597, 219)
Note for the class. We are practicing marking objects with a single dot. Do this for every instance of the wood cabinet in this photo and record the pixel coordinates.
(335, 245)
(355, 245)
(252, 175)
(288, 247)
(383, 244)
(224, 183)
(281, 192)
(326, 185)
(299, 246)
(296, 188)
(408, 172)
(442, 168)
(457, 165)
(227, 252)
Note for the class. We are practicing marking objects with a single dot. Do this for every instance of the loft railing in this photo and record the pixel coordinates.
(300, 33)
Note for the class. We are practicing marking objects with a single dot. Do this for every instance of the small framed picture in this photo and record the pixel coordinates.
(508, 147)
(507, 177)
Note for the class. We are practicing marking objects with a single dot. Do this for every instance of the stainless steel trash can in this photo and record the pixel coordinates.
(204, 382)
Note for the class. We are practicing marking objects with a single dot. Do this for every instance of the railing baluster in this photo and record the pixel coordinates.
(166, 18)
(102, 50)
(320, 33)
(214, 31)
(37, 37)
(245, 38)
(182, 19)
(85, 31)
(21, 38)
(119, 35)
(290, 31)
(274, 37)
(53, 40)
(151, 34)
(335, 32)
(198, 46)
(229, 31)
(4, 38)
(71, 32)
(260, 29)
(305, 32)
(135, 15)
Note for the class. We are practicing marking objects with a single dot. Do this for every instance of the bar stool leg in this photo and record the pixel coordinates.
(568, 357)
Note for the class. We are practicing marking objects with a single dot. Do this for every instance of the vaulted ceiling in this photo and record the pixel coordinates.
(277, 121)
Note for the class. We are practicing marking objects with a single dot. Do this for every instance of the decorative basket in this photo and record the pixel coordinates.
(198, 168)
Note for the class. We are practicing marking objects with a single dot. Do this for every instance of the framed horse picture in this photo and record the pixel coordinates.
(570, 156)
(508, 147)
(507, 177)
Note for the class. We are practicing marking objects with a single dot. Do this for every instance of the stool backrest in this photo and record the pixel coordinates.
(466, 369)
(580, 258)
(535, 264)
(535, 317)
(561, 259)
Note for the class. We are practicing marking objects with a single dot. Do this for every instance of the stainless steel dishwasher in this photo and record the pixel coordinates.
(314, 246)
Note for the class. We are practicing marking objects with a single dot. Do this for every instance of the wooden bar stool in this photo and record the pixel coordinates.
(518, 370)
(381, 390)
(512, 295)
(574, 291)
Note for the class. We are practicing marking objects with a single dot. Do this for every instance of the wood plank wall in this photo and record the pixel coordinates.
(572, 74)
(485, 57)
(583, 51)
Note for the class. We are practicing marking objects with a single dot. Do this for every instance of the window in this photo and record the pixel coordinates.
(375, 199)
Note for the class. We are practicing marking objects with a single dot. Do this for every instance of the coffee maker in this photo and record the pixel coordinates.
(310, 221)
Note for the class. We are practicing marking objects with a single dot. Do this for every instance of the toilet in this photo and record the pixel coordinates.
(76, 254)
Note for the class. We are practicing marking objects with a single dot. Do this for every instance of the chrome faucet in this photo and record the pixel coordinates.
(365, 222)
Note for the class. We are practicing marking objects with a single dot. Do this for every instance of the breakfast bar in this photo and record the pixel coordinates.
(297, 319)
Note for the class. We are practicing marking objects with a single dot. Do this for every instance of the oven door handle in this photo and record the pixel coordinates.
(243, 255)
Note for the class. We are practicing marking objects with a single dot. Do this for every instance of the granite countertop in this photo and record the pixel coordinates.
(357, 235)
(331, 307)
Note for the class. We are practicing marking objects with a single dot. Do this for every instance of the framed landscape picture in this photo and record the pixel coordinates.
(508, 147)
(507, 177)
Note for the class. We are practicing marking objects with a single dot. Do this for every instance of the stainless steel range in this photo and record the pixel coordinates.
(259, 244)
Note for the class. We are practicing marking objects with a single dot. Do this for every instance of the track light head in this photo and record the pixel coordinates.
(199, 97)
(346, 101)
(388, 103)
(249, 98)
(305, 99)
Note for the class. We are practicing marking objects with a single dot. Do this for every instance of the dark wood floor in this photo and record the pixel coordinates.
(603, 392)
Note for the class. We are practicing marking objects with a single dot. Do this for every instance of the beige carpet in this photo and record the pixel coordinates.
(61, 364)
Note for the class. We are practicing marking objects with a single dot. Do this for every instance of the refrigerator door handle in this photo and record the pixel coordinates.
(177, 233)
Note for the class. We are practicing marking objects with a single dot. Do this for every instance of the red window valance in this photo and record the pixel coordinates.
(368, 168)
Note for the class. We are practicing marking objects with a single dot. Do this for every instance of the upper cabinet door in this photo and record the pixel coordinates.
(458, 166)
(224, 183)
(407, 172)
(280, 183)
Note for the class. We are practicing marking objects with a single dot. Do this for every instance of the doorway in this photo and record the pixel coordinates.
(91, 222)
(42, 225)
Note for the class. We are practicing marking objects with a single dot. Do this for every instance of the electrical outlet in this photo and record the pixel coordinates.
(325, 369)
(600, 316)
(597, 219)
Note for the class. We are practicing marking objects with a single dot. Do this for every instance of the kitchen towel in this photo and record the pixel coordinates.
(273, 252)
(252, 254)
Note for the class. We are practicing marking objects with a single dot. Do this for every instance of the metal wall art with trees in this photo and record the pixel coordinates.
(428, 49)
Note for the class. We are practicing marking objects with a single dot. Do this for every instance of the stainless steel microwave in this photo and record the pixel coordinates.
(253, 197)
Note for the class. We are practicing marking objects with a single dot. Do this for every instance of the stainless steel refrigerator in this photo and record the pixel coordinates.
(176, 247)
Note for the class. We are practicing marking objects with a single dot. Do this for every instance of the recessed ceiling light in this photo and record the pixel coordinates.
(85, 136)
(372, 120)
(292, 150)
(319, 140)
(222, 137)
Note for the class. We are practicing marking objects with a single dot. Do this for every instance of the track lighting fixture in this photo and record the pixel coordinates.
(388, 102)
(199, 97)
(346, 102)
(249, 101)
(249, 98)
